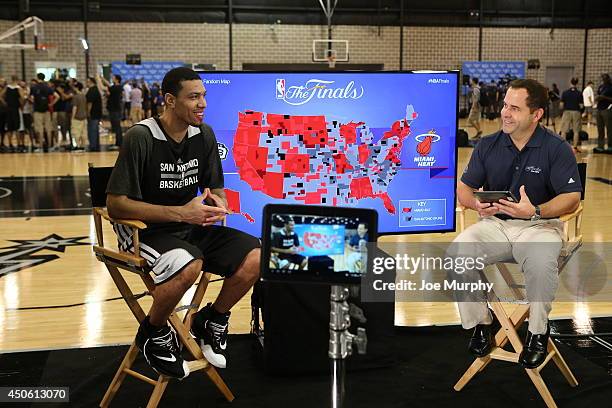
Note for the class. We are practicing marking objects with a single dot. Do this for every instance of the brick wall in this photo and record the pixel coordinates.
(439, 47)
(599, 54)
(278, 43)
(424, 47)
(563, 48)
(205, 43)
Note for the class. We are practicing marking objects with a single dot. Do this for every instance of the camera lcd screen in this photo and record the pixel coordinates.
(317, 244)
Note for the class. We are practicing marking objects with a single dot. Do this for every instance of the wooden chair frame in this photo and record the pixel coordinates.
(572, 240)
(115, 260)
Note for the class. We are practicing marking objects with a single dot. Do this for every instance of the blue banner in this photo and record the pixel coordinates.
(487, 71)
(150, 71)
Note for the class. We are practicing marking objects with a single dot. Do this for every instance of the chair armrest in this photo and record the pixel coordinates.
(124, 257)
(572, 215)
(128, 223)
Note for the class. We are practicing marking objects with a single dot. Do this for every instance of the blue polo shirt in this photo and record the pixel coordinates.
(546, 166)
(572, 99)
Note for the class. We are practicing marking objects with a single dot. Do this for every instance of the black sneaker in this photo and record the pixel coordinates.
(160, 347)
(210, 330)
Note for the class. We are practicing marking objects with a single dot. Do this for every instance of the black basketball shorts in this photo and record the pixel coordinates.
(169, 251)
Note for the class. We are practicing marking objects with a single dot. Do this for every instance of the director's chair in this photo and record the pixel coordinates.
(116, 260)
(572, 240)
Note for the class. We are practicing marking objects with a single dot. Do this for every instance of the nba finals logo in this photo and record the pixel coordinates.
(423, 148)
(280, 89)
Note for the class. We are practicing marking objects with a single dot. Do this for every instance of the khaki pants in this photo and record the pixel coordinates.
(42, 123)
(571, 119)
(136, 114)
(474, 116)
(533, 245)
(78, 131)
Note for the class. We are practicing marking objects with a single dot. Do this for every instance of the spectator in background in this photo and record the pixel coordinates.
(63, 112)
(154, 98)
(27, 115)
(493, 111)
(40, 94)
(554, 99)
(571, 103)
(53, 98)
(79, 117)
(483, 100)
(136, 104)
(114, 105)
(604, 115)
(94, 114)
(127, 90)
(13, 97)
(474, 116)
(3, 109)
(158, 100)
(588, 100)
(146, 99)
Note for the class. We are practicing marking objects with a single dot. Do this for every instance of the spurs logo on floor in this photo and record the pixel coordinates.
(21, 256)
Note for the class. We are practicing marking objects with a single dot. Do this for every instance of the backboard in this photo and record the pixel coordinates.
(330, 51)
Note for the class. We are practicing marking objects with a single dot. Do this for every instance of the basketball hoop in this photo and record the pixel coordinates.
(49, 48)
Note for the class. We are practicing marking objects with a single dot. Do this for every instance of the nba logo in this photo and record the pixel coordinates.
(280, 89)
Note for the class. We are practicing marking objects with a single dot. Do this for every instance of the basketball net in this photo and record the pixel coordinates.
(331, 60)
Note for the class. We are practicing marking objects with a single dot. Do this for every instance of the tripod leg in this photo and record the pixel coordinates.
(337, 383)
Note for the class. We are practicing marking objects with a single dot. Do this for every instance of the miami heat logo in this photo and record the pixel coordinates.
(319, 241)
(425, 141)
(280, 89)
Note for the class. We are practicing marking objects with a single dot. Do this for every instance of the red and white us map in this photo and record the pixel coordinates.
(313, 160)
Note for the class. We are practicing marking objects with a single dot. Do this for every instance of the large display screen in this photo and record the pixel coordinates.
(380, 140)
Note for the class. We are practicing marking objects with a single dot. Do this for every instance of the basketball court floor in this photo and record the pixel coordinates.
(55, 294)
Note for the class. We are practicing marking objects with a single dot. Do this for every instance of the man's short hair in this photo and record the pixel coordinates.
(574, 81)
(118, 77)
(40, 76)
(537, 96)
(475, 80)
(173, 78)
(79, 86)
(590, 83)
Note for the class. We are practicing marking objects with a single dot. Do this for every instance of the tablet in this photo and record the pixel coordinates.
(317, 244)
(494, 196)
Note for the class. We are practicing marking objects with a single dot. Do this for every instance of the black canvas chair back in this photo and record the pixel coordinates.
(98, 180)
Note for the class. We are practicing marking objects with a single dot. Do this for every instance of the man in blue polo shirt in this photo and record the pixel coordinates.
(540, 170)
(571, 100)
